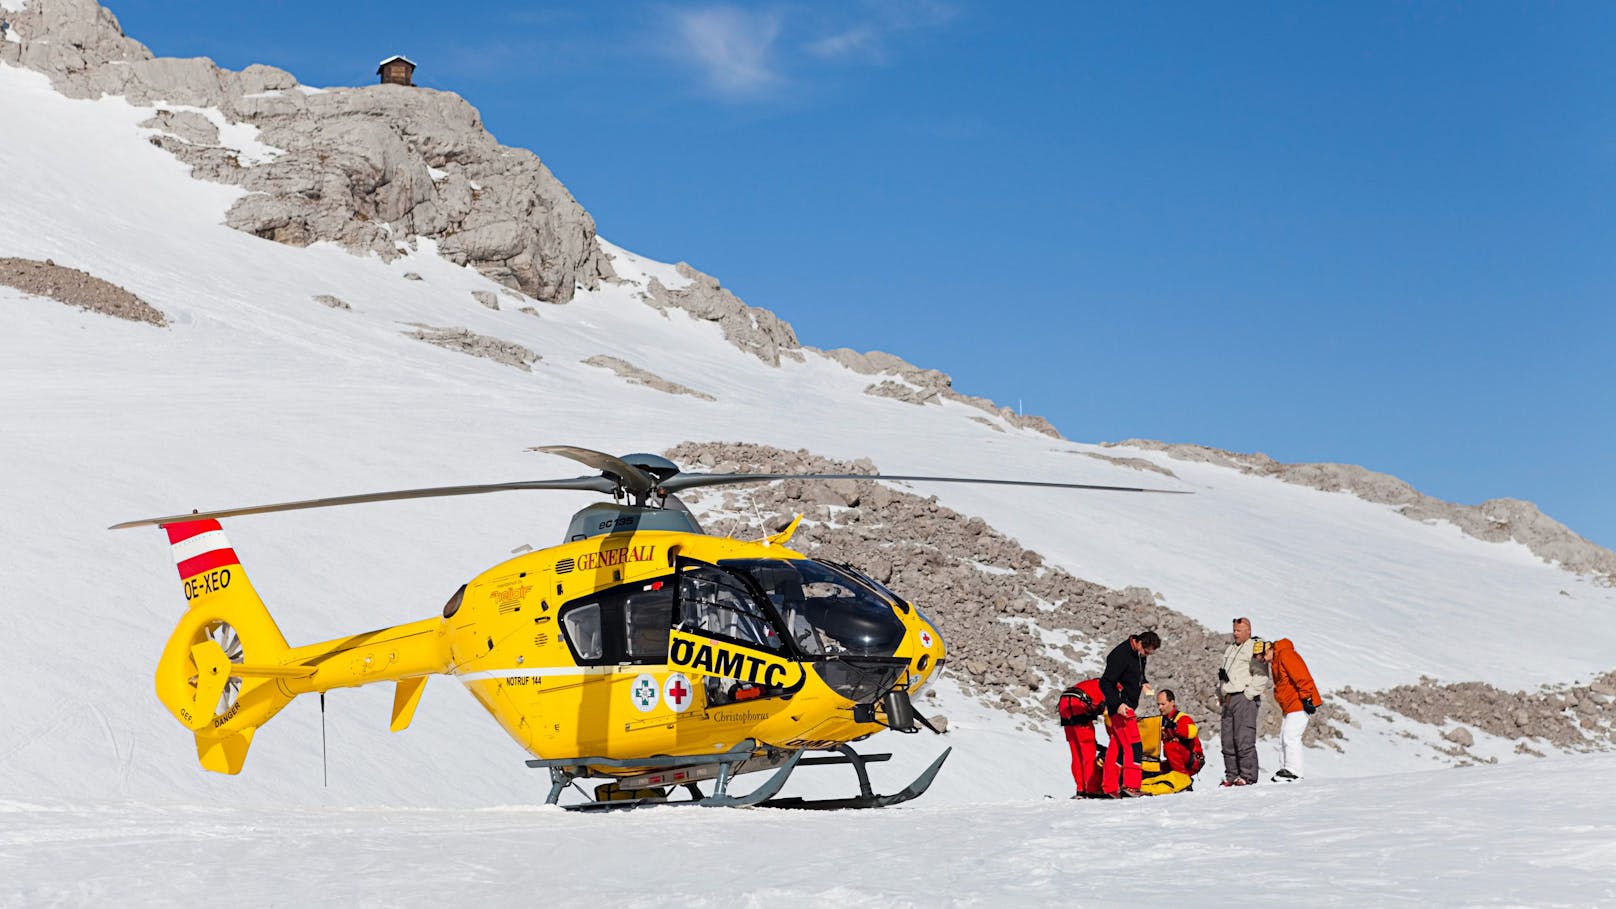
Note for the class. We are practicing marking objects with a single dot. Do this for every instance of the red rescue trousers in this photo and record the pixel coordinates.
(1123, 755)
(1084, 751)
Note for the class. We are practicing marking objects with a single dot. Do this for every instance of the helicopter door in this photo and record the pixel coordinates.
(725, 634)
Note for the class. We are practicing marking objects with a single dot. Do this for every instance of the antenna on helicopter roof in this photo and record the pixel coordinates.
(763, 523)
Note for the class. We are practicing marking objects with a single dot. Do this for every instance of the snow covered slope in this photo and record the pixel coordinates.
(256, 392)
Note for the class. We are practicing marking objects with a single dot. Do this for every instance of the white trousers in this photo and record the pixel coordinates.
(1290, 741)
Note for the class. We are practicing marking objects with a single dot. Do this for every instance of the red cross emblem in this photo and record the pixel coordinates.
(925, 639)
(676, 691)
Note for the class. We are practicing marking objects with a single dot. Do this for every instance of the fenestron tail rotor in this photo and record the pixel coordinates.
(647, 479)
(225, 636)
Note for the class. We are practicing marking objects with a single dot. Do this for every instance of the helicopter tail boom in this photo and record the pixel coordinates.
(227, 669)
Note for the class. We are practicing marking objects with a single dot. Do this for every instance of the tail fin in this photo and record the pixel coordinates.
(206, 676)
(227, 670)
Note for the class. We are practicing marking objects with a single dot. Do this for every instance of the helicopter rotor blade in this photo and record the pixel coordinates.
(588, 484)
(695, 480)
(632, 478)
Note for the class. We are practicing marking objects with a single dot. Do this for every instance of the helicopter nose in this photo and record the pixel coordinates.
(929, 654)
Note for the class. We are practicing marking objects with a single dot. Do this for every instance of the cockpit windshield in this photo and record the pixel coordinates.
(826, 612)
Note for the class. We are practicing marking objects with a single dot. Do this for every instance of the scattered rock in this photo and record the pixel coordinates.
(899, 391)
(331, 301)
(1555, 715)
(412, 276)
(77, 288)
(924, 385)
(486, 298)
(1135, 463)
(639, 376)
(468, 342)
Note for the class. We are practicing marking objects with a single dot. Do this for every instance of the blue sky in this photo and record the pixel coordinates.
(1375, 233)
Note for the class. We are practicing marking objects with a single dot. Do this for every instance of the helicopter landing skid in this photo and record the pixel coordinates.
(685, 771)
(866, 797)
(677, 771)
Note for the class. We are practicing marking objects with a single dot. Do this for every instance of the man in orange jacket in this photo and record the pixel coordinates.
(1296, 694)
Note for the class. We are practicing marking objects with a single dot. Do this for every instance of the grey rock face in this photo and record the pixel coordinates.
(1495, 520)
(375, 167)
(923, 386)
(366, 167)
(756, 331)
(898, 391)
(1134, 463)
(639, 376)
(466, 341)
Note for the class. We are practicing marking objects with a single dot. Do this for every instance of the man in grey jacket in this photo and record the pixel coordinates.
(1241, 680)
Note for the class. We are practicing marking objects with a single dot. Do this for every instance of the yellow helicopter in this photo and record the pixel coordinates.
(641, 650)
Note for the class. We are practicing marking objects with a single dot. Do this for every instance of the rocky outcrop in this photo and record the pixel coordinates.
(1130, 463)
(370, 168)
(924, 386)
(466, 341)
(1570, 717)
(1495, 520)
(77, 288)
(638, 376)
(756, 331)
(374, 168)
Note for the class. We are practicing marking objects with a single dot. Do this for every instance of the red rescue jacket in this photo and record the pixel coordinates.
(1181, 744)
(1082, 703)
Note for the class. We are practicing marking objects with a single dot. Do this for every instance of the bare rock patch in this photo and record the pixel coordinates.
(1132, 463)
(77, 288)
(638, 376)
(756, 331)
(466, 341)
(924, 386)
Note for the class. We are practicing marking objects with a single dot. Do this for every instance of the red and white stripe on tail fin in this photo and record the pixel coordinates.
(199, 547)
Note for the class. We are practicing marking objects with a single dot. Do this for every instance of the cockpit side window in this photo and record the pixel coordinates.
(712, 602)
(647, 616)
(583, 631)
(626, 624)
(825, 611)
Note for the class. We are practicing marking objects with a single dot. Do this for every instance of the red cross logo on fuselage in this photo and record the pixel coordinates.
(677, 693)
